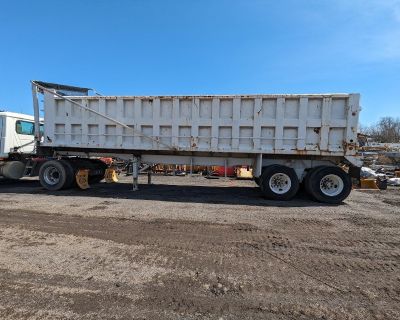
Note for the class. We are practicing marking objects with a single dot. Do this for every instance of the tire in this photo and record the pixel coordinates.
(92, 165)
(307, 179)
(54, 175)
(328, 184)
(257, 180)
(98, 165)
(96, 179)
(279, 183)
(70, 181)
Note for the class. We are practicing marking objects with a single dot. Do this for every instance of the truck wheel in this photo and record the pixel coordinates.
(70, 171)
(53, 175)
(328, 184)
(279, 182)
(95, 166)
(96, 179)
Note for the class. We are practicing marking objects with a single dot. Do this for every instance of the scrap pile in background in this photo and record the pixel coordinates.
(381, 163)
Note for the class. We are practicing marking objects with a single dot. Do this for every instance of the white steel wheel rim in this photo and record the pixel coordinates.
(51, 176)
(280, 183)
(331, 185)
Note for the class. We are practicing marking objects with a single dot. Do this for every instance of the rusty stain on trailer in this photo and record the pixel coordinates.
(300, 152)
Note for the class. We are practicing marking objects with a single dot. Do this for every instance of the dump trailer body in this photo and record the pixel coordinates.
(287, 139)
(297, 125)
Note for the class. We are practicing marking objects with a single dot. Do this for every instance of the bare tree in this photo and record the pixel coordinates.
(386, 130)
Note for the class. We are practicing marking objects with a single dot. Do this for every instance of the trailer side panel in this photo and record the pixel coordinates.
(314, 125)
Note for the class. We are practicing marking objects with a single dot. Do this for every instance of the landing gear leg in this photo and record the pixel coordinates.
(135, 173)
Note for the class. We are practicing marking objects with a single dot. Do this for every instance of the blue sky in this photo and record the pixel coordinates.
(211, 47)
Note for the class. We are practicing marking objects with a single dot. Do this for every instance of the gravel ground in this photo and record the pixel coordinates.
(196, 248)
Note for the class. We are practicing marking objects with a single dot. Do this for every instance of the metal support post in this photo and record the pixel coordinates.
(149, 176)
(258, 165)
(135, 173)
(225, 168)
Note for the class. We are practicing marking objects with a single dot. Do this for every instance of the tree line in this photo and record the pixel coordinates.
(386, 130)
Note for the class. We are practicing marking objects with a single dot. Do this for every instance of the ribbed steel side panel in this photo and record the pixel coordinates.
(278, 124)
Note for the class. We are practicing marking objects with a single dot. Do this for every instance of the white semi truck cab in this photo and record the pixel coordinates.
(17, 143)
(16, 133)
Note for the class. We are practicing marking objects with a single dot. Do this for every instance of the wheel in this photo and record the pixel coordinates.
(328, 184)
(307, 180)
(257, 180)
(54, 175)
(97, 168)
(70, 181)
(279, 182)
(96, 179)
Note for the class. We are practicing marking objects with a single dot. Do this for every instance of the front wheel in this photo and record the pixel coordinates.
(279, 182)
(55, 175)
(328, 184)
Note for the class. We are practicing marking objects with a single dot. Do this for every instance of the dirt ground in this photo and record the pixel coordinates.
(194, 248)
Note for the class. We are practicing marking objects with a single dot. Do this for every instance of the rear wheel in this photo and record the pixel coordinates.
(55, 175)
(328, 184)
(99, 167)
(279, 182)
(96, 167)
(96, 179)
(70, 171)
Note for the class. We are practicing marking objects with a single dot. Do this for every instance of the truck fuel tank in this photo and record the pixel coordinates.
(12, 169)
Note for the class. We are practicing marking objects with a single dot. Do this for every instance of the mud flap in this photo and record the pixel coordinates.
(82, 179)
(110, 176)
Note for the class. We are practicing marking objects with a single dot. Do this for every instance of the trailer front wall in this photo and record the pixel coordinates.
(268, 124)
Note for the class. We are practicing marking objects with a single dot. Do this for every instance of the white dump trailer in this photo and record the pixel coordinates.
(288, 139)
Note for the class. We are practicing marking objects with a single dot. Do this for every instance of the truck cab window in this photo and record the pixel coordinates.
(25, 127)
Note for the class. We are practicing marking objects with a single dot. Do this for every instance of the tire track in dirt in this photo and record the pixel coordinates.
(201, 255)
(239, 235)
